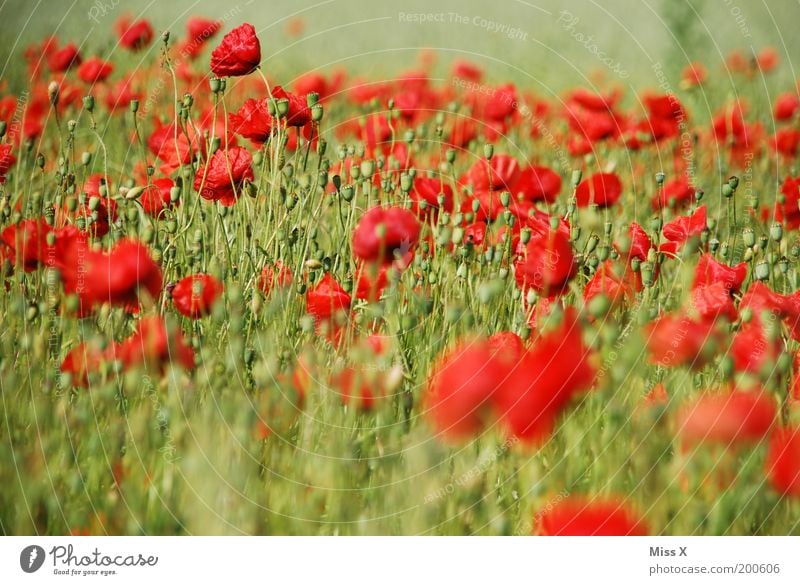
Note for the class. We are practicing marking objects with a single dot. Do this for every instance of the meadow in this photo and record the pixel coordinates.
(246, 292)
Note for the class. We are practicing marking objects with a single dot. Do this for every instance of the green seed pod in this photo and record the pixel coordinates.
(488, 151)
(749, 237)
(762, 270)
(599, 305)
(660, 178)
(317, 112)
(577, 174)
(776, 232)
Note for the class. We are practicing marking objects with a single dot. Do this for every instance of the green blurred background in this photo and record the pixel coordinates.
(376, 39)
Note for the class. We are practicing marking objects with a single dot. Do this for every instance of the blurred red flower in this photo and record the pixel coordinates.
(726, 418)
(783, 461)
(580, 516)
(194, 296)
(384, 233)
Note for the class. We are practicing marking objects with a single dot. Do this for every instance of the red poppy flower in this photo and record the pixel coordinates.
(679, 230)
(507, 346)
(467, 70)
(709, 271)
(252, 121)
(580, 516)
(694, 74)
(727, 418)
(676, 339)
(299, 113)
(7, 161)
(428, 189)
(223, 177)
(786, 106)
(783, 461)
(383, 232)
(608, 283)
(327, 300)
(98, 220)
(116, 277)
(26, 242)
(544, 380)
(537, 184)
(676, 192)
(153, 346)
(786, 141)
(157, 197)
(713, 301)
(752, 349)
(119, 97)
(278, 276)
(134, 35)
(194, 296)
(200, 29)
(547, 264)
(81, 361)
(94, 70)
(789, 210)
(460, 389)
(64, 58)
(603, 189)
(238, 54)
(359, 388)
(497, 175)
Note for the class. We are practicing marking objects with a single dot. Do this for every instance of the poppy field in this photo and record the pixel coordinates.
(246, 299)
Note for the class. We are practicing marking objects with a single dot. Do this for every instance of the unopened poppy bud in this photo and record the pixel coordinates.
(148, 234)
(505, 198)
(748, 253)
(647, 271)
(53, 93)
(599, 305)
(134, 193)
(733, 182)
(603, 252)
(317, 112)
(554, 223)
(576, 177)
(165, 36)
(575, 233)
(134, 106)
(762, 270)
(698, 195)
(749, 237)
(659, 178)
(175, 194)
(367, 168)
(282, 107)
(655, 223)
(88, 103)
(488, 151)
(726, 367)
(525, 235)
(405, 182)
(776, 232)
(3, 128)
(215, 144)
(86, 158)
(727, 192)
(594, 239)
(476, 205)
